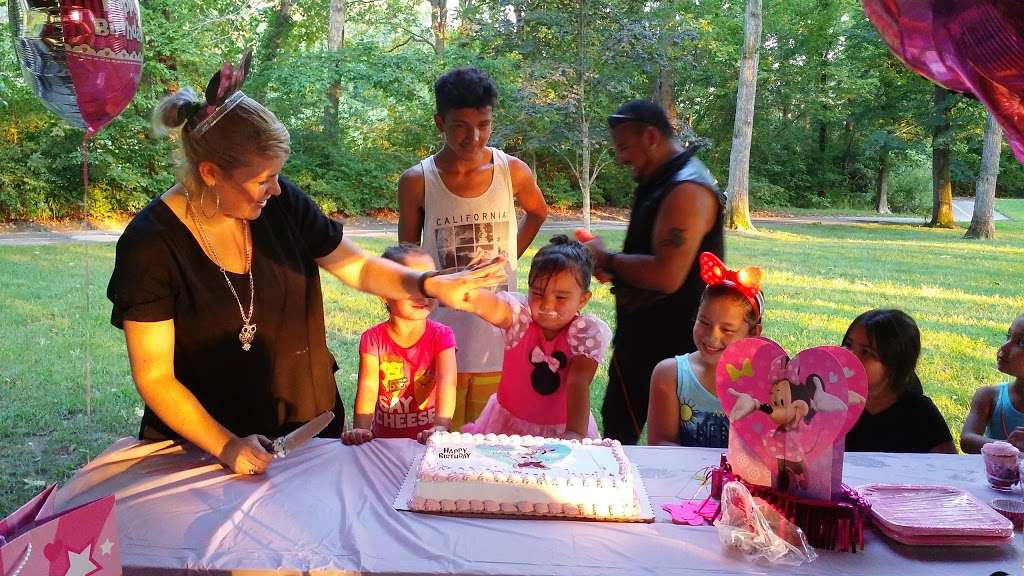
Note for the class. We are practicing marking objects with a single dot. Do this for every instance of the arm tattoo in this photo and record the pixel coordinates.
(674, 239)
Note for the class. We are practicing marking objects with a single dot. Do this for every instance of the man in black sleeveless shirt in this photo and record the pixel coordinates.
(676, 214)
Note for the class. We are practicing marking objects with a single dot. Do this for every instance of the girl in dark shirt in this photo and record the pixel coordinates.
(216, 284)
(897, 416)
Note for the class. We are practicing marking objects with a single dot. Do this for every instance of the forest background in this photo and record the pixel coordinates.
(837, 119)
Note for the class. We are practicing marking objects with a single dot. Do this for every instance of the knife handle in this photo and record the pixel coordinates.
(277, 448)
(267, 444)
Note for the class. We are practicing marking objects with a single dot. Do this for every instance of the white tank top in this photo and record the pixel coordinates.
(455, 230)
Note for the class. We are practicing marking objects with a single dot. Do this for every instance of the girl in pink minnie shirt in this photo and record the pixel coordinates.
(551, 351)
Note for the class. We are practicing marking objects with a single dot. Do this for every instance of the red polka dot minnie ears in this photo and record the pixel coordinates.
(747, 281)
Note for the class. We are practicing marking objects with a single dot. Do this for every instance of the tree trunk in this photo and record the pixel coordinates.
(985, 191)
(277, 30)
(823, 139)
(882, 200)
(464, 7)
(663, 90)
(439, 24)
(335, 42)
(942, 186)
(585, 172)
(280, 26)
(663, 93)
(584, 70)
(738, 209)
(824, 8)
(850, 154)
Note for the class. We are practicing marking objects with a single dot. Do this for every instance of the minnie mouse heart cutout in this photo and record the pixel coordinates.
(786, 411)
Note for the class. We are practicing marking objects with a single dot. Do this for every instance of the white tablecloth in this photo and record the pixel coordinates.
(327, 509)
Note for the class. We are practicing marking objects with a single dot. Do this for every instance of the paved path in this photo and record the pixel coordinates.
(963, 208)
(963, 211)
(364, 230)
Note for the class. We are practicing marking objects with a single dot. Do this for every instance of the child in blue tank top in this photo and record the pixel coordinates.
(683, 408)
(997, 412)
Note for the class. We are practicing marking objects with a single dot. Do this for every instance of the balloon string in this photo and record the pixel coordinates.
(87, 320)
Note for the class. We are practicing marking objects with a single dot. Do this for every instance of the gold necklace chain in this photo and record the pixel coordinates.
(248, 332)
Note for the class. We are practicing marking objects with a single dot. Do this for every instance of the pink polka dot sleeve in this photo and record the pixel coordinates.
(589, 336)
(520, 317)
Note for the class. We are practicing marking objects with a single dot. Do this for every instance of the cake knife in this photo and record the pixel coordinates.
(285, 444)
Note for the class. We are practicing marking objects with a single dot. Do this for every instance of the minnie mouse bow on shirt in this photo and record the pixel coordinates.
(537, 356)
(747, 281)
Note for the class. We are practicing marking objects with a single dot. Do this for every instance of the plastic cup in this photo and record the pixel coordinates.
(1012, 509)
(1001, 467)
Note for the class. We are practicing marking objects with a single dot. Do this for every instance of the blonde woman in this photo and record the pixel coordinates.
(216, 284)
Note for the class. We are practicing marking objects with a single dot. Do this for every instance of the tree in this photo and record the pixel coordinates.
(352, 81)
(985, 192)
(335, 42)
(942, 184)
(582, 168)
(439, 25)
(277, 31)
(404, 15)
(663, 90)
(738, 210)
(882, 187)
(574, 77)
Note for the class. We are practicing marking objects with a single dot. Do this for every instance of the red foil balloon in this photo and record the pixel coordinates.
(975, 47)
(83, 58)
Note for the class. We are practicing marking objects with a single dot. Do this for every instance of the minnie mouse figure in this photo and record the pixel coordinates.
(792, 405)
(531, 458)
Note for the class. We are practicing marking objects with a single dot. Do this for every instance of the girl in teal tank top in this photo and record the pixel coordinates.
(997, 412)
(683, 409)
(1005, 418)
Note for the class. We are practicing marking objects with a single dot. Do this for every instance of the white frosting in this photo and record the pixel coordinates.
(524, 475)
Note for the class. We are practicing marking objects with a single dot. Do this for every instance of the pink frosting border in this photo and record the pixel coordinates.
(588, 510)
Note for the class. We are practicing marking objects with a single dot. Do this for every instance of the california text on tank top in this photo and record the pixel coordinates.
(456, 230)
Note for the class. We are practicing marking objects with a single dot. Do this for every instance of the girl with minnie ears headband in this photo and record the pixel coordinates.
(551, 350)
(683, 408)
(216, 284)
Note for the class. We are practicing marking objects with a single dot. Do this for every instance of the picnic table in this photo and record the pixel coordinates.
(327, 508)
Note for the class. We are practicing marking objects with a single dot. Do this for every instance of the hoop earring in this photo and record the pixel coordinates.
(202, 204)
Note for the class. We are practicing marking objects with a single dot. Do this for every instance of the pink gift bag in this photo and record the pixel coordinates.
(77, 542)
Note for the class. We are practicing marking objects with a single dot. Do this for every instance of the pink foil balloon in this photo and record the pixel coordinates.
(83, 58)
(970, 46)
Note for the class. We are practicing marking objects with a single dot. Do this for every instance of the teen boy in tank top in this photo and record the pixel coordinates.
(461, 203)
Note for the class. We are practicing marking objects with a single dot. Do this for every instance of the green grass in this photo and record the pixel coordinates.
(829, 212)
(963, 294)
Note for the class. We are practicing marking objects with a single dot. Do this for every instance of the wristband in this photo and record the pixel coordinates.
(421, 282)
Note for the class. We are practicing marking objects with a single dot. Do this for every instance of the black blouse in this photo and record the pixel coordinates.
(912, 424)
(287, 378)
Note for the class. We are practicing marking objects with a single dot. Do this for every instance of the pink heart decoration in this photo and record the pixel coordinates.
(856, 385)
(783, 408)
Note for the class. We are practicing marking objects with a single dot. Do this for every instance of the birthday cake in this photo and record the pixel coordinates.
(525, 476)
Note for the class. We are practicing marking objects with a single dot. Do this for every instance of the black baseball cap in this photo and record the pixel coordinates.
(644, 112)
